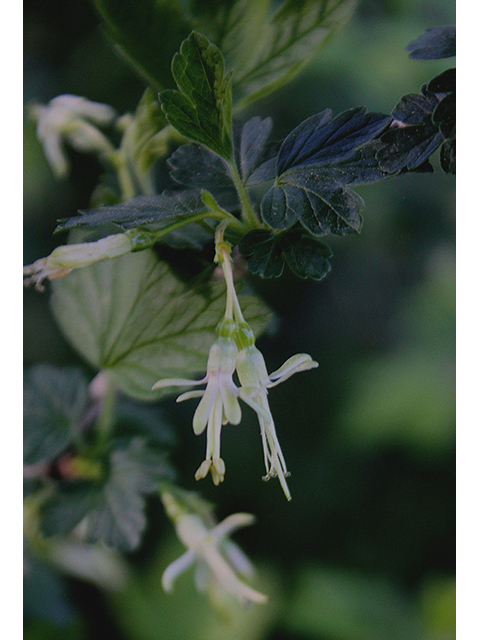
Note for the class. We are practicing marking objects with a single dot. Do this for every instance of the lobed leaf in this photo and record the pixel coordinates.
(140, 210)
(413, 136)
(134, 317)
(433, 44)
(321, 203)
(54, 401)
(113, 509)
(201, 108)
(268, 253)
(320, 140)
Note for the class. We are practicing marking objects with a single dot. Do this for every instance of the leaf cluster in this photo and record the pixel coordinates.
(78, 482)
(301, 188)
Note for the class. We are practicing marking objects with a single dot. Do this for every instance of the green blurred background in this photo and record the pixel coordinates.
(366, 548)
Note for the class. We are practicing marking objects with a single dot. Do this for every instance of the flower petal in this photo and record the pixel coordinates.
(295, 364)
(177, 382)
(177, 567)
(202, 412)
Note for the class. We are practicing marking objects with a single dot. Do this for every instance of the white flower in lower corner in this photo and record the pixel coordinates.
(255, 382)
(216, 558)
(219, 403)
(71, 118)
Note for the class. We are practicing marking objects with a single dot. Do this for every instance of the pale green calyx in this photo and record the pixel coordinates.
(216, 558)
(74, 256)
(73, 119)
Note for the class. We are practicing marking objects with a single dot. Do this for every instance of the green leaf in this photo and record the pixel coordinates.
(114, 509)
(148, 33)
(288, 40)
(321, 203)
(54, 401)
(149, 210)
(434, 44)
(202, 107)
(268, 253)
(135, 318)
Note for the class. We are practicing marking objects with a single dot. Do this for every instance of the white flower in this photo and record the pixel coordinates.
(73, 256)
(217, 559)
(219, 403)
(255, 382)
(70, 118)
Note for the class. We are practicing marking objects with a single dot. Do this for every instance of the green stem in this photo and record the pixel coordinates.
(105, 420)
(196, 217)
(248, 214)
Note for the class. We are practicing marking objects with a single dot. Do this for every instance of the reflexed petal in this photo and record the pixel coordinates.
(177, 382)
(295, 364)
(190, 394)
(232, 523)
(177, 567)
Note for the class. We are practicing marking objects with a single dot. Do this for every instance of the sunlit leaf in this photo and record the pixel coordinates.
(135, 318)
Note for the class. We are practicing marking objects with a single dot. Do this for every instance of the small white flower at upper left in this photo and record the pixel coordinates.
(73, 119)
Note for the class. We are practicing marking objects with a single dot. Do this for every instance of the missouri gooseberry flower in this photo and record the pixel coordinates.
(219, 402)
(255, 382)
(217, 559)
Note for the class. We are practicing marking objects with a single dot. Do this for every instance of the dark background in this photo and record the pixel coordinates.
(366, 547)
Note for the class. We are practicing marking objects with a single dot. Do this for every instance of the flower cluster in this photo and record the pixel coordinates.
(233, 351)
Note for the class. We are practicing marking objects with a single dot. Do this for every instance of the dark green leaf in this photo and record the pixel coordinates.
(448, 156)
(445, 115)
(288, 39)
(202, 107)
(252, 147)
(445, 82)
(433, 44)
(54, 401)
(148, 33)
(193, 165)
(119, 517)
(413, 136)
(112, 509)
(149, 325)
(268, 253)
(311, 195)
(68, 506)
(141, 210)
(320, 140)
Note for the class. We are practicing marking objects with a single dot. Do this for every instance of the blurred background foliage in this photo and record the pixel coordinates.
(365, 550)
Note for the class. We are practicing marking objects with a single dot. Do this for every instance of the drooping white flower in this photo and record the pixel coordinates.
(74, 256)
(219, 402)
(255, 382)
(216, 558)
(73, 119)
